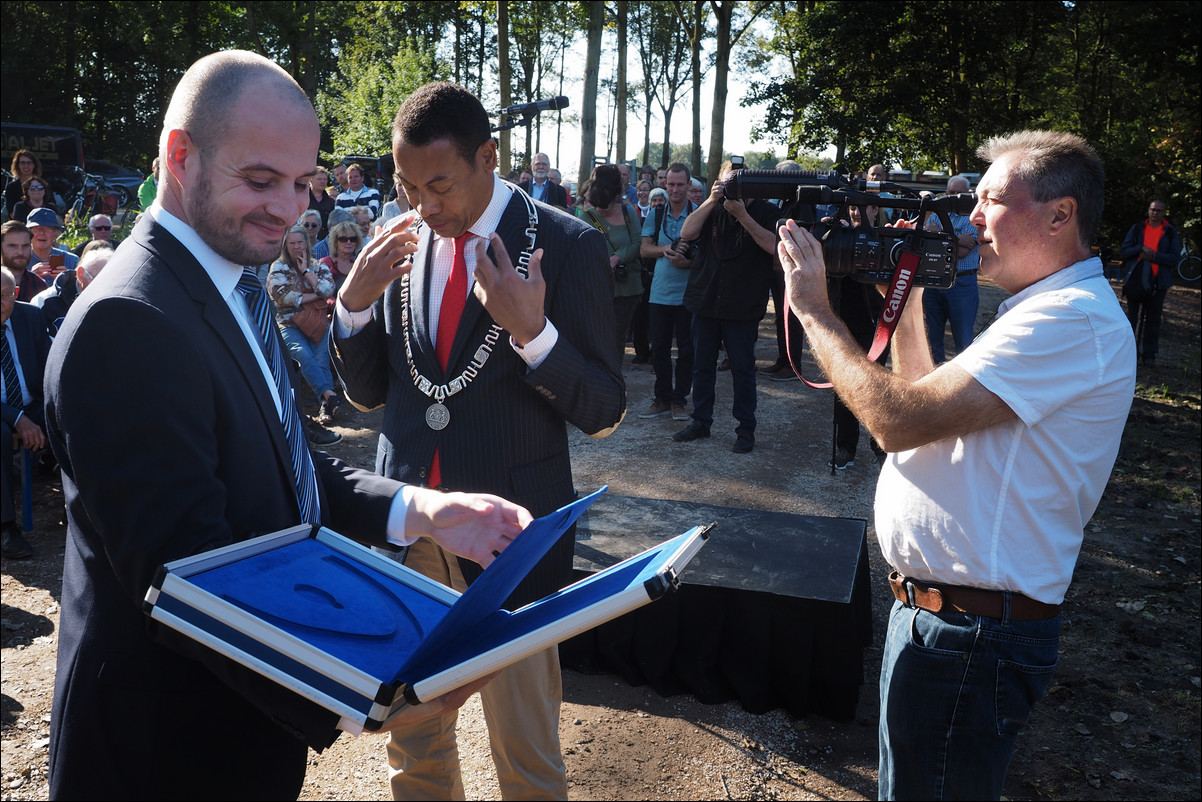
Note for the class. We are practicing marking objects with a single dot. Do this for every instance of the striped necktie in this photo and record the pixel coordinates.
(12, 384)
(304, 476)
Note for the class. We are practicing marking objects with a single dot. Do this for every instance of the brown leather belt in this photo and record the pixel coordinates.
(974, 601)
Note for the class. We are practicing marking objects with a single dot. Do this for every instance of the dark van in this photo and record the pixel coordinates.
(59, 149)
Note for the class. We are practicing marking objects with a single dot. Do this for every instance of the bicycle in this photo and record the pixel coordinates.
(1189, 268)
(93, 197)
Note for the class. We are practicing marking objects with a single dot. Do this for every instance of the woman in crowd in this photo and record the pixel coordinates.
(26, 165)
(606, 210)
(643, 190)
(395, 207)
(320, 201)
(294, 280)
(34, 192)
(345, 241)
(310, 221)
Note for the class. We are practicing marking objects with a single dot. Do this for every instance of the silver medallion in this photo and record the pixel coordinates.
(438, 416)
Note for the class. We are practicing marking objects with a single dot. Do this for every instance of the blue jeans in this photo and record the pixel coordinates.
(313, 358)
(739, 335)
(955, 691)
(668, 322)
(956, 305)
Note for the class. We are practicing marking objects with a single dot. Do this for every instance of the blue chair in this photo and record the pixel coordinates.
(26, 490)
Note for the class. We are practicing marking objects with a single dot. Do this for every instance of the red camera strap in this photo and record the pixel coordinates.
(895, 301)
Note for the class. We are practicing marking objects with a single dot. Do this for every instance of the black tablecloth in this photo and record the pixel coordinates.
(774, 611)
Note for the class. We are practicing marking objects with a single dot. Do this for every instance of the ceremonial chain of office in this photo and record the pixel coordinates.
(437, 414)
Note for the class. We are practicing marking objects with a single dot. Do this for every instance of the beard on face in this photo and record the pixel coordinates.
(223, 233)
(18, 262)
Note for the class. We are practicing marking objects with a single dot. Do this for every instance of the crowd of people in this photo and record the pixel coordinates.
(385, 301)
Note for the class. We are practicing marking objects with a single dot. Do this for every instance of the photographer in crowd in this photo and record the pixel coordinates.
(997, 460)
(727, 294)
(666, 313)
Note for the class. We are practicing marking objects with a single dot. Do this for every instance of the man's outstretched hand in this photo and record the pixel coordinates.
(477, 526)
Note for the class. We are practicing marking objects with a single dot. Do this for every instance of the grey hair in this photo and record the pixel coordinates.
(1056, 164)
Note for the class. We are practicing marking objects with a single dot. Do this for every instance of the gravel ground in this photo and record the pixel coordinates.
(1121, 721)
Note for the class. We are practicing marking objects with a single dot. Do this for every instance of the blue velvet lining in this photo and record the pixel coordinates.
(507, 627)
(367, 619)
(305, 674)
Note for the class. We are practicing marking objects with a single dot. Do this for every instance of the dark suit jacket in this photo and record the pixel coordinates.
(170, 445)
(507, 432)
(557, 195)
(33, 347)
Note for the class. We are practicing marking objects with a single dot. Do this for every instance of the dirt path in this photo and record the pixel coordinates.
(1121, 721)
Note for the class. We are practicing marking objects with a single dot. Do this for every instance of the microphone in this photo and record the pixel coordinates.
(528, 109)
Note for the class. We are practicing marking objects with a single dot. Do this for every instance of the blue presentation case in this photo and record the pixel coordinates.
(364, 636)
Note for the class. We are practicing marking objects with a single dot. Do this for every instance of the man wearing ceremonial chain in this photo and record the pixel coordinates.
(480, 364)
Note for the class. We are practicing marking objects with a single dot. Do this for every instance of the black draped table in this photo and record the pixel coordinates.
(774, 611)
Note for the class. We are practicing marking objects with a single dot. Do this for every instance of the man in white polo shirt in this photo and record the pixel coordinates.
(997, 460)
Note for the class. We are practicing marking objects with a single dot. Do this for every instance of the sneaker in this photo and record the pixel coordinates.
(13, 545)
(744, 443)
(694, 431)
(656, 409)
(319, 435)
(775, 366)
(844, 459)
(784, 374)
(679, 412)
(329, 408)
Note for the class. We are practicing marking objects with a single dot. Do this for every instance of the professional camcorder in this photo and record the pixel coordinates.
(866, 253)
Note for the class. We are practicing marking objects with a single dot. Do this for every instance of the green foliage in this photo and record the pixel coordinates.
(924, 85)
(911, 84)
(358, 113)
(676, 153)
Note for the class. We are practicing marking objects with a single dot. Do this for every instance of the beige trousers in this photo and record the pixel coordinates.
(521, 709)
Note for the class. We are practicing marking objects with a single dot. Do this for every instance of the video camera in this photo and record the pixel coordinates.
(866, 253)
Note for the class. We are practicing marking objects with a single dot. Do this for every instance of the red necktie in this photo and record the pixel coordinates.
(454, 298)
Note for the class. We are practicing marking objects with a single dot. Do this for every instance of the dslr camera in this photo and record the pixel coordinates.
(869, 254)
(686, 248)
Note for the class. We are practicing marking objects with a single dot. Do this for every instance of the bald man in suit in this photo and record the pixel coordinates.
(207, 452)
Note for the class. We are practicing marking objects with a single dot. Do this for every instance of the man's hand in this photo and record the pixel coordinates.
(1146, 253)
(800, 257)
(477, 526)
(29, 433)
(381, 262)
(676, 258)
(515, 303)
(735, 208)
(43, 270)
(451, 700)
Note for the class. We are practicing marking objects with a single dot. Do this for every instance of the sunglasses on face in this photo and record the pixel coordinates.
(312, 225)
(102, 228)
(32, 187)
(346, 239)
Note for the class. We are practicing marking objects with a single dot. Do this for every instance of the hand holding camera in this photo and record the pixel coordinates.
(684, 250)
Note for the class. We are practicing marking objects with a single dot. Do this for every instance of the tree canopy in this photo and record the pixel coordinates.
(912, 84)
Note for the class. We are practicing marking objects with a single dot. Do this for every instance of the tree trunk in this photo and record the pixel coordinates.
(698, 30)
(713, 163)
(503, 164)
(665, 156)
(588, 109)
(620, 101)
